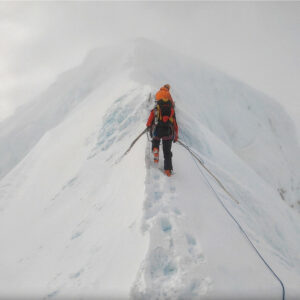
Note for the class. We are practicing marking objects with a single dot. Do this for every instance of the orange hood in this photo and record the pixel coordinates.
(164, 94)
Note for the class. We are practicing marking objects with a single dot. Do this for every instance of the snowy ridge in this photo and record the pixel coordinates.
(254, 126)
(75, 222)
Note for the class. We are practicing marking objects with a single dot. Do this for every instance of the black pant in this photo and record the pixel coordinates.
(167, 144)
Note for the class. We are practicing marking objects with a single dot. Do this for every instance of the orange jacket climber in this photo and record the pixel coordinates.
(175, 126)
(162, 125)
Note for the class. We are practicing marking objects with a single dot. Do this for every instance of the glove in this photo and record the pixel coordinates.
(175, 138)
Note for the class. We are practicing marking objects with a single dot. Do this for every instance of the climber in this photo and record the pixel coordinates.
(162, 125)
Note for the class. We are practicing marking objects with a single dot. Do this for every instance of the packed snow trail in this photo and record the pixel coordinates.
(163, 275)
(180, 226)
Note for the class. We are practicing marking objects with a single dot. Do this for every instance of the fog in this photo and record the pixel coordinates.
(255, 42)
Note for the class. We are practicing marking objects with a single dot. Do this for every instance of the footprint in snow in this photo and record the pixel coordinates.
(165, 224)
(197, 255)
(160, 264)
(158, 195)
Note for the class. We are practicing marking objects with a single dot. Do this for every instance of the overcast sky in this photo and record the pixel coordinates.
(258, 43)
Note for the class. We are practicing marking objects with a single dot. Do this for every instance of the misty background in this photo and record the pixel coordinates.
(255, 42)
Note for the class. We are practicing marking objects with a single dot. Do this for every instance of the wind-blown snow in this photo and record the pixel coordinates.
(77, 222)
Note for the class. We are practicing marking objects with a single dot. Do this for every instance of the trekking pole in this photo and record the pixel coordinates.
(132, 144)
(202, 164)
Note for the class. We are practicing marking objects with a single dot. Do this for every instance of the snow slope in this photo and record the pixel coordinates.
(75, 222)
